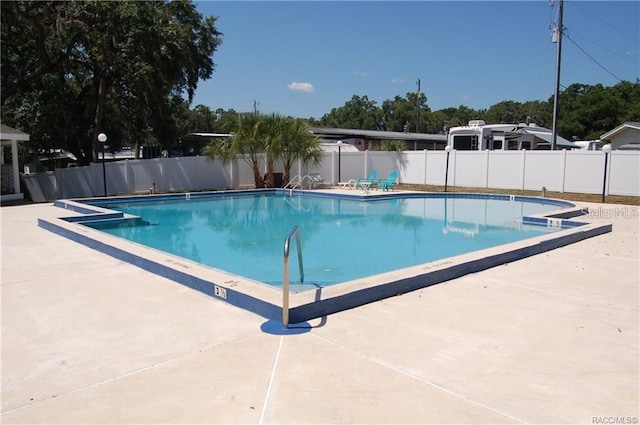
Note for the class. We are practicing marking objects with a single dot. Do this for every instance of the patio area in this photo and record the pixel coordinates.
(552, 338)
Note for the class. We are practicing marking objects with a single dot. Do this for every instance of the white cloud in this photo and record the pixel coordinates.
(465, 97)
(305, 87)
(360, 73)
(397, 80)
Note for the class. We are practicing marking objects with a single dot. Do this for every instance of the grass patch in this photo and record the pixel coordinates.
(578, 197)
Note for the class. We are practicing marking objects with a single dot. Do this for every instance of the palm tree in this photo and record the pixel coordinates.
(397, 146)
(247, 140)
(273, 131)
(268, 138)
(298, 143)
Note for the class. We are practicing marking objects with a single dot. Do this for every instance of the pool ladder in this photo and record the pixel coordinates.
(295, 231)
(298, 182)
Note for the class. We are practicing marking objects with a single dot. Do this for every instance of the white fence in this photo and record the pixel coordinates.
(561, 171)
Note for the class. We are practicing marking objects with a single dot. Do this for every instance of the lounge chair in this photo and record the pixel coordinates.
(389, 182)
(351, 184)
(365, 184)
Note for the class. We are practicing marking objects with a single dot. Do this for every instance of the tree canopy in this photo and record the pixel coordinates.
(586, 112)
(71, 70)
(267, 139)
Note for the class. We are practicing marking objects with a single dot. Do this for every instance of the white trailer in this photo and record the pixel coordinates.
(480, 136)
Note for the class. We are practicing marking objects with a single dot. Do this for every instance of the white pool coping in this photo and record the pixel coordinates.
(267, 300)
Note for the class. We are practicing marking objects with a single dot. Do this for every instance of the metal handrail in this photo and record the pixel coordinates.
(293, 184)
(285, 280)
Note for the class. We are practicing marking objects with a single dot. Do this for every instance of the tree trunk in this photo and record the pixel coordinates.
(286, 176)
(270, 181)
(258, 178)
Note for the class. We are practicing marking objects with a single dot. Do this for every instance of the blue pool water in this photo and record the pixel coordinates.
(342, 239)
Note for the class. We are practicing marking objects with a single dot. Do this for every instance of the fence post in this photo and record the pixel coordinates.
(232, 178)
(127, 180)
(425, 167)
(564, 170)
(57, 182)
(366, 163)
(523, 168)
(608, 171)
(453, 167)
(96, 183)
(486, 168)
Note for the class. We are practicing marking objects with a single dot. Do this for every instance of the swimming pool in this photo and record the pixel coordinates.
(356, 248)
(342, 239)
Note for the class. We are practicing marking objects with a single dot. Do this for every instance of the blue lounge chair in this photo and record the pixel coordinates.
(389, 182)
(365, 184)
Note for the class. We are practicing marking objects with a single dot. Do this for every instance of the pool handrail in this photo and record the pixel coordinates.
(285, 280)
(297, 181)
(293, 181)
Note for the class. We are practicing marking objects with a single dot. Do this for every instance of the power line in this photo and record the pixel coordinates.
(590, 57)
(607, 49)
(603, 21)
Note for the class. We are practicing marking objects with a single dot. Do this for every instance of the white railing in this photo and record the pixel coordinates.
(298, 182)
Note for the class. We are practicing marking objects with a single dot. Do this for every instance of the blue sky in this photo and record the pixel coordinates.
(303, 58)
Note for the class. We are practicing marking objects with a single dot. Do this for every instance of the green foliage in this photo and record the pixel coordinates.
(586, 112)
(359, 112)
(594, 110)
(267, 139)
(117, 67)
(395, 145)
(73, 69)
(297, 144)
(404, 113)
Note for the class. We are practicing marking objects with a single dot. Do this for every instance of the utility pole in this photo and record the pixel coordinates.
(418, 109)
(556, 37)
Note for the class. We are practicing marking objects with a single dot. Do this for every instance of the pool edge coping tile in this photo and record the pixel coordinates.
(267, 301)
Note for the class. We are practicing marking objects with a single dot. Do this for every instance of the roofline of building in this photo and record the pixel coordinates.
(376, 134)
(8, 133)
(618, 129)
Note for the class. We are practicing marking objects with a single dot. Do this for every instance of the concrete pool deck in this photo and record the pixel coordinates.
(552, 338)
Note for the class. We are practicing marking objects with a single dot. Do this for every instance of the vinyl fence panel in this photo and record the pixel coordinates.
(584, 172)
(543, 169)
(624, 173)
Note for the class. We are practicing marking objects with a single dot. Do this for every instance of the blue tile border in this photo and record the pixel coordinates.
(368, 295)
(236, 298)
(323, 307)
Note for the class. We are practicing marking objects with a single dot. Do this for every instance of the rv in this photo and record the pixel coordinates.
(479, 136)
